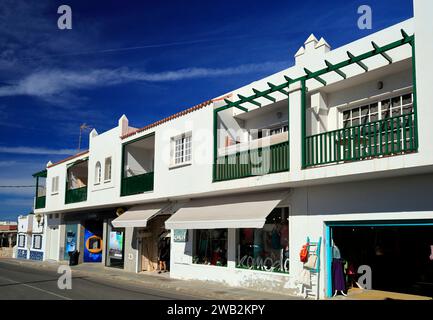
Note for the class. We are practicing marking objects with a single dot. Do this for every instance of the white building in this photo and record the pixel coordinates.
(336, 149)
(30, 239)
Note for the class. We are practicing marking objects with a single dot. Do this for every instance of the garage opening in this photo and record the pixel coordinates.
(400, 257)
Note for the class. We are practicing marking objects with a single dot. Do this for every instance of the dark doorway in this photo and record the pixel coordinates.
(400, 257)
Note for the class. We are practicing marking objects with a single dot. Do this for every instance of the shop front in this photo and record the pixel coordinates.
(240, 240)
(398, 255)
(142, 227)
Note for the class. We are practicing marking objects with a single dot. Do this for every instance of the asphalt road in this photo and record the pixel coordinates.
(19, 282)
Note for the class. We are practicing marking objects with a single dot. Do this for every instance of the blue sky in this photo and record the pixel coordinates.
(145, 59)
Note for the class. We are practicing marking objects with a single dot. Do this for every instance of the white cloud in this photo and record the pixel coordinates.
(7, 163)
(39, 151)
(48, 84)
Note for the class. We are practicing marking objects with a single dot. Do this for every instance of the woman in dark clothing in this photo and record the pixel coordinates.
(164, 252)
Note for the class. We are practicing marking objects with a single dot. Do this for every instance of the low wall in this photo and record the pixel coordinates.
(6, 252)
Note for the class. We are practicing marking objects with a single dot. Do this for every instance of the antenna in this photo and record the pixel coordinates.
(83, 127)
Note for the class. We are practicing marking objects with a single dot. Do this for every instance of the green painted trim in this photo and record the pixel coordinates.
(265, 96)
(244, 99)
(122, 169)
(309, 73)
(215, 142)
(415, 94)
(376, 48)
(139, 138)
(313, 75)
(303, 121)
(40, 174)
(77, 162)
(338, 71)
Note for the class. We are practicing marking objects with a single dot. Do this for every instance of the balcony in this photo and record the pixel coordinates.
(137, 184)
(251, 143)
(76, 195)
(76, 184)
(387, 137)
(138, 162)
(40, 202)
(258, 157)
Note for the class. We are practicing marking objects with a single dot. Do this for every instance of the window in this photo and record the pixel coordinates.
(107, 169)
(57, 216)
(37, 242)
(21, 241)
(387, 108)
(98, 173)
(278, 130)
(210, 247)
(181, 147)
(55, 185)
(265, 249)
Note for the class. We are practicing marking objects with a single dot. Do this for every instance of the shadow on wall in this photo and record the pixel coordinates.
(401, 194)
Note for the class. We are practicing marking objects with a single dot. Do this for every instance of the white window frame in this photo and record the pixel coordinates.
(39, 236)
(181, 150)
(108, 169)
(55, 185)
(98, 172)
(21, 236)
(380, 112)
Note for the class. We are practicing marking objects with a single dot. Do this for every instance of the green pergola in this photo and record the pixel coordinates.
(317, 75)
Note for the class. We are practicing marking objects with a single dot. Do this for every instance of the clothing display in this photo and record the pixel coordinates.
(338, 278)
(284, 234)
(276, 239)
(336, 252)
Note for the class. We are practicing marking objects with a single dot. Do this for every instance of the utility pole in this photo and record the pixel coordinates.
(83, 127)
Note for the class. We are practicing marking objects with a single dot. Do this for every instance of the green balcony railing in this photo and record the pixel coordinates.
(40, 202)
(387, 137)
(137, 184)
(76, 195)
(261, 161)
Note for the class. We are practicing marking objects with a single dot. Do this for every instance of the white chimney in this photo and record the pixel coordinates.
(123, 125)
(311, 50)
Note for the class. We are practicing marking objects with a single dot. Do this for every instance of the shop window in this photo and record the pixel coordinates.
(265, 249)
(210, 247)
(37, 242)
(21, 241)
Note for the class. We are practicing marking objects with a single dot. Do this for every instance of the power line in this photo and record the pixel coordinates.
(17, 186)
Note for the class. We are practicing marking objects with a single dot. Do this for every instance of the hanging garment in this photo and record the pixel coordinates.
(336, 253)
(284, 234)
(338, 281)
(431, 256)
(276, 239)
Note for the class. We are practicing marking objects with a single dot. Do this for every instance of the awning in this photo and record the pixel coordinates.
(138, 215)
(235, 211)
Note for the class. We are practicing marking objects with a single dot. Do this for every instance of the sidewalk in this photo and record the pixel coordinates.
(203, 289)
